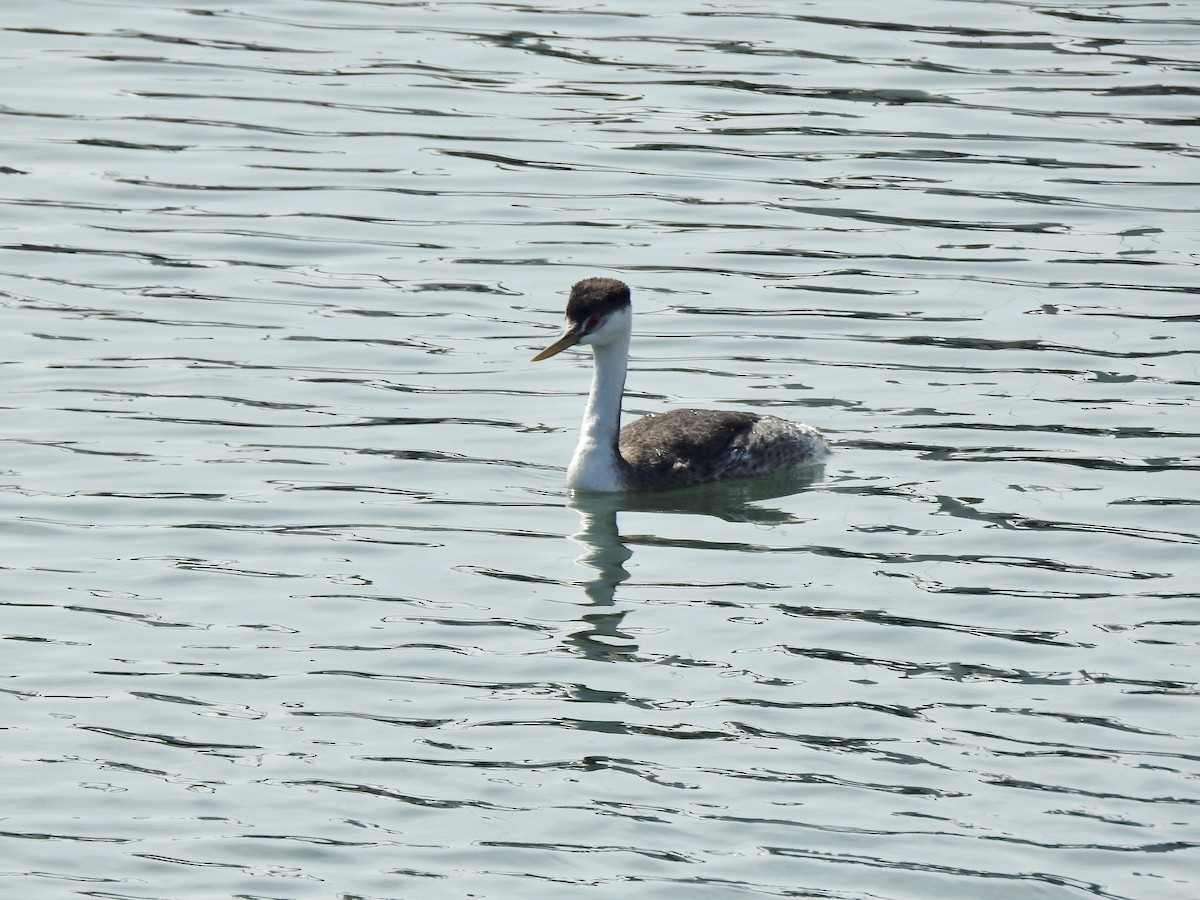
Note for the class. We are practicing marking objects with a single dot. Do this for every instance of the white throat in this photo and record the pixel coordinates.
(596, 465)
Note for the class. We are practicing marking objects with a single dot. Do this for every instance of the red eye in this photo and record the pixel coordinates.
(593, 322)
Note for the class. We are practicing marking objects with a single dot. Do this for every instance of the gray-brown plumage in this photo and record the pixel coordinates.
(674, 449)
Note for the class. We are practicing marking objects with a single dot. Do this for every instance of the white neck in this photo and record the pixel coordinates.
(596, 465)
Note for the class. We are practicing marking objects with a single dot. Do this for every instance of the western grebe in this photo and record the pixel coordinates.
(673, 449)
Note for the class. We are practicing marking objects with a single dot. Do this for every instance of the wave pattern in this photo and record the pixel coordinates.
(294, 601)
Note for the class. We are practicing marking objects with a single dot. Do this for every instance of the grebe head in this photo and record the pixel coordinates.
(598, 312)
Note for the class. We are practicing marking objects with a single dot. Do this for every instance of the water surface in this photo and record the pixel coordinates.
(295, 602)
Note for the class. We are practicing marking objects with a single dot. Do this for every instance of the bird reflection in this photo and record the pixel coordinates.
(605, 551)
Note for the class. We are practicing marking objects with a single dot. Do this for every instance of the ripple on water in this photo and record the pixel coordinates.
(289, 565)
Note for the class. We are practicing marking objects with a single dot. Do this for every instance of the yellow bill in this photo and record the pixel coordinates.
(569, 338)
